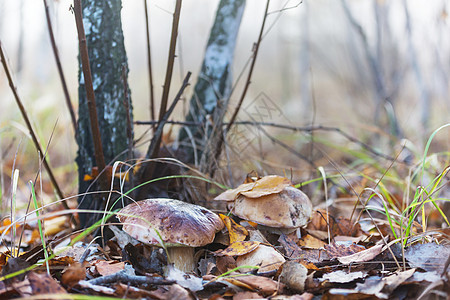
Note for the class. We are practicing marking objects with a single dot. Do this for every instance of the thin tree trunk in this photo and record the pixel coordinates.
(104, 36)
(213, 88)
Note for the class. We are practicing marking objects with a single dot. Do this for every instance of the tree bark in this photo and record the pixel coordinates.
(104, 36)
(213, 88)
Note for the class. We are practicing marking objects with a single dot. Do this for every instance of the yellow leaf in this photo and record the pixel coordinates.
(236, 232)
(239, 248)
(308, 241)
(267, 185)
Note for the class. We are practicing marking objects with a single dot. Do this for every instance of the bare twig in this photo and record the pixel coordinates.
(30, 128)
(99, 157)
(122, 276)
(153, 149)
(171, 60)
(126, 104)
(149, 58)
(288, 127)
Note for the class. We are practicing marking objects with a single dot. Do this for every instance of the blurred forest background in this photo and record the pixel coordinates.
(321, 62)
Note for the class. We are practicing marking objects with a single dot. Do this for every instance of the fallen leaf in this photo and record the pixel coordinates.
(294, 276)
(178, 292)
(263, 285)
(393, 281)
(246, 295)
(308, 241)
(238, 248)
(236, 232)
(109, 267)
(225, 263)
(342, 276)
(339, 250)
(44, 284)
(382, 287)
(304, 296)
(362, 256)
(319, 220)
(73, 274)
(188, 281)
(293, 251)
(430, 256)
(267, 185)
(343, 226)
(231, 194)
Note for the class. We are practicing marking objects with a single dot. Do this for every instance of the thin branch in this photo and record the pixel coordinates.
(30, 128)
(287, 127)
(171, 60)
(123, 277)
(153, 149)
(126, 104)
(98, 148)
(154, 146)
(59, 66)
(149, 61)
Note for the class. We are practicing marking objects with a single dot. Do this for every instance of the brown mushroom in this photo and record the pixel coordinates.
(288, 209)
(180, 226)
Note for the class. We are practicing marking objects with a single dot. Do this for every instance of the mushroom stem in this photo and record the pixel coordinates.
(182, 258)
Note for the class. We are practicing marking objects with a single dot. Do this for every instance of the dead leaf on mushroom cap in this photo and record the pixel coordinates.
(266, 185)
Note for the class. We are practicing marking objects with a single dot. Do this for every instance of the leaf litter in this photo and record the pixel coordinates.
(331, 257)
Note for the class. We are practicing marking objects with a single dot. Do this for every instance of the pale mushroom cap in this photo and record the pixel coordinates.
(264, 256)
(178, 223)
(290, 208)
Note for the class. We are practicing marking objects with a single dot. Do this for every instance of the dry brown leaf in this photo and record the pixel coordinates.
(238, 248)
(294, 276)
(308, 241)
(318, 220)
(263, 285)
(73, 274)
(293, 251)
(225, 263)
(246, 295)
(44, 284)
(109, 267)
(231, 195)
(61, 261)
(343, 226)
(337, 250)
(362, 256)
(267, 185)
(236, 232)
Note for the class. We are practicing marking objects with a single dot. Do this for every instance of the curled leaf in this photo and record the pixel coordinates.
(236, 232)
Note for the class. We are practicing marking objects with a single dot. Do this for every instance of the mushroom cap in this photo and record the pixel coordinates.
(178, 223)
(290, 208)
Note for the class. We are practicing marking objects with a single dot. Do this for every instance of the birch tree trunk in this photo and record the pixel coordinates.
(105, 42)
(209, 103)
